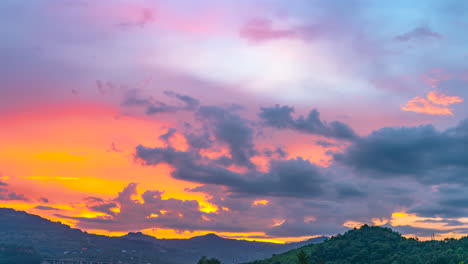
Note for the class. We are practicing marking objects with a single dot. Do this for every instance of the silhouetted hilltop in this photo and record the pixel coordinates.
(376, 245)
(56, 240)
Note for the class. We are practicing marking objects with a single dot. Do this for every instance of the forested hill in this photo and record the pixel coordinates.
(376, 245)
(55, 240)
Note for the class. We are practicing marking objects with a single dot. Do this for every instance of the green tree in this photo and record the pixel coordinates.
(205, 260)
(302, 258)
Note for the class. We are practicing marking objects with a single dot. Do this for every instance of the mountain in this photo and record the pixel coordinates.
(376, 245)
(56, 240)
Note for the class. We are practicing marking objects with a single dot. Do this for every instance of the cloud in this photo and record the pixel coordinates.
(104, 208)
(153, 211)
(12, 196)
(231, 129)
(289, 178)
(279, 152)
(199, 140)
(419, 152)
(46, 208)
(133, 97)
(140, 17)
(168, 135)
(326, 144)
(449, 201)
(439, 98)
(190, 102)
(419, 33)
(259, 30)
(435, 103)
(281, 117)
(5, 195)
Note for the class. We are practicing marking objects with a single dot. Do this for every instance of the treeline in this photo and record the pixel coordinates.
(375, 245)
(13, 254)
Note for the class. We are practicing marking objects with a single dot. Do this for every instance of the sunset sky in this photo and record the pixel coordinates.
(268, 120)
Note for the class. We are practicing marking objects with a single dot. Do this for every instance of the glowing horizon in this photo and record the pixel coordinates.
(256, 120)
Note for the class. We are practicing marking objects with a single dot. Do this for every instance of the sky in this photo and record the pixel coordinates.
(266, 120)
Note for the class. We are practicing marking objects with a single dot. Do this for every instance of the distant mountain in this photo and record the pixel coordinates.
(56, 240)
(376, 245)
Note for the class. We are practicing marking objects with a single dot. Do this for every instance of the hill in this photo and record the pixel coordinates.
(12, 254)
(376, 245)
(56, 240)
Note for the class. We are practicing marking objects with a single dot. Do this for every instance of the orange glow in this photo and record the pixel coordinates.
(278, 222)
(403, 219)
(379, 222)
(260, 202)
(153, 216)
(399, 214)
(70, 156)
(59, 157)
(353, 224)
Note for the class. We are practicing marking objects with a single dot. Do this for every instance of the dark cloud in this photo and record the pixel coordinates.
(231, 129)
(279, 152)
(44, 200)
(167, 136)
(281, 117)
(3, 183)
(46, 208)
(294, 177)
(160, 107)
(449, 201)
(419, 152)
(199, 140)
(419, 33)
(104, 208)
(12, 196)
(93, 199)
(326, 144)
(190, 102)
(346, 191)
(152, 106)
(133, 98)
(154, 211)
(444, 221)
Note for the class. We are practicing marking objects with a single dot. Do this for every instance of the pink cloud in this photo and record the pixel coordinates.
(263, 29)
(435, 76)
(259, 30)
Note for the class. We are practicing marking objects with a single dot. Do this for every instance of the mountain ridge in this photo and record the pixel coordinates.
(52, 239)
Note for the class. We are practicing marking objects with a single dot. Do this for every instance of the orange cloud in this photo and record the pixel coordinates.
(435, 103)
(441, 99)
